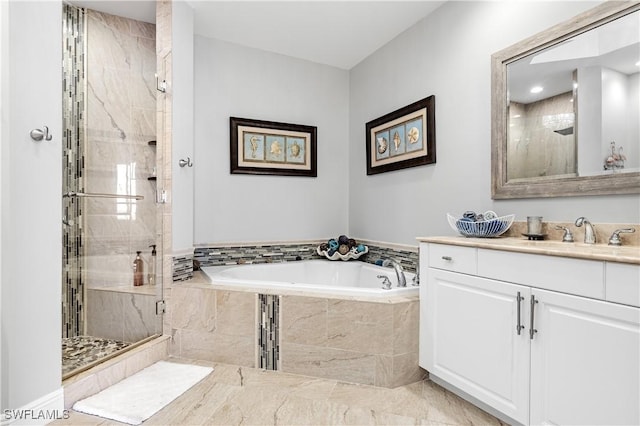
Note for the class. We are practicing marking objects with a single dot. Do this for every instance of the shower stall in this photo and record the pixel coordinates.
(110, 213)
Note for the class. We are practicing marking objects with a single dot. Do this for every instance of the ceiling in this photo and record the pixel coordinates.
(336, 33)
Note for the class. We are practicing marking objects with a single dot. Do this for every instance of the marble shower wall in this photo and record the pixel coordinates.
(164, 111)
(535, 147)
(125, 316)
(121, 120)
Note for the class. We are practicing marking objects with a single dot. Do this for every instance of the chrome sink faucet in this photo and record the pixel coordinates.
(402, 282)
(589, 233)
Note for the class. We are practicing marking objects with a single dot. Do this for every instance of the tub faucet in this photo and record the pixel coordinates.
(615, 240)
(386, 283)
(589, 234)
(402, 282)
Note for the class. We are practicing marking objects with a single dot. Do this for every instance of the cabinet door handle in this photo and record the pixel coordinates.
(532, 330)
(519, 325)
(447, 258)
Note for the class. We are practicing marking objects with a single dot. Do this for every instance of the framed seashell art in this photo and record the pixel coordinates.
(403, 138)
(272, 148)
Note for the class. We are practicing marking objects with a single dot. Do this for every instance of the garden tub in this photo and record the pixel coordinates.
(352, 278)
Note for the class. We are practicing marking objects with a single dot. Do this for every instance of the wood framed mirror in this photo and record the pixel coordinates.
(573, 137)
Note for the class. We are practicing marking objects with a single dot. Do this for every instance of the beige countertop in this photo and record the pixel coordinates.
(623, 254)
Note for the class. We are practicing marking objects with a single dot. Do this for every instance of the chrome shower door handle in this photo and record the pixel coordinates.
(39, 134)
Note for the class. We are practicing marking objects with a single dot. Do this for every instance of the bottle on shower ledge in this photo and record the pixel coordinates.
(138, 270)
(151, 278)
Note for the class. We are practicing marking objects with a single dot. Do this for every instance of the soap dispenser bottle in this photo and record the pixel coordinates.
(138, 270)
(152, 266)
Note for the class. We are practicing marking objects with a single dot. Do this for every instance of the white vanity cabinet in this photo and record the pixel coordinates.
(472, 341)
(585, 361)
(532, 336)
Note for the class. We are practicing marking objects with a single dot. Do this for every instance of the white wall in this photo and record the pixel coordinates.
(615, 101)
(619, 100)
(590, 155)
(242, 82)
(4, 138)
(182, 125)
(632, 151)
(448, 55)
(31, 207)
(608, 111)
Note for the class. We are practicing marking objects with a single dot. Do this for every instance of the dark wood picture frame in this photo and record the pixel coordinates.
(271, 148)
(411, 129)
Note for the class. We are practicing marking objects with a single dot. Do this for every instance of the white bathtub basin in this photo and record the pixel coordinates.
(351, 278)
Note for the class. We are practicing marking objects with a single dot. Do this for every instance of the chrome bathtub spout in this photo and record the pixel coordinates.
(589, 233)
(402, 282)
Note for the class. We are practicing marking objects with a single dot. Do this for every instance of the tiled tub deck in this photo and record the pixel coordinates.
(358, 340)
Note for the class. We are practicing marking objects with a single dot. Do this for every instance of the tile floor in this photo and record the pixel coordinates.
(234, 395)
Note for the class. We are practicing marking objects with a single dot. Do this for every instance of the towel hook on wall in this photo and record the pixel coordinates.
(39, 134)
(186, 162)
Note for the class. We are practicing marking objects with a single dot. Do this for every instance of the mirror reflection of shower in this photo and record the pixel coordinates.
(568, 101)
(108, 191)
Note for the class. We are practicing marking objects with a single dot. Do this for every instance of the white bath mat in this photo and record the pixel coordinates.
(138, 397)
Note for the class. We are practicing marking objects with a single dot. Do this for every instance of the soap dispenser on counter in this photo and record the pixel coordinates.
(138, 270)
(152, 266)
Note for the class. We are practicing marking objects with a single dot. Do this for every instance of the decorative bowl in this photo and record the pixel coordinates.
(481, 229)
(351, 254)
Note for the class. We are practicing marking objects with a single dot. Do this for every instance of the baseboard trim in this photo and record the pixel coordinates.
(43, 410)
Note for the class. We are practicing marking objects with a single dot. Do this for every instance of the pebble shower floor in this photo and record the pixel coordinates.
(82, 351)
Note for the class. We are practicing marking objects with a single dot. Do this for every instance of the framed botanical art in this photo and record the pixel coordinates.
(403, 138)
(271, 148)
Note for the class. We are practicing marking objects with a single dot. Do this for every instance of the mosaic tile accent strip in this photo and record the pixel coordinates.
(217, 256)
(268, 331)
(80, 351)
(72, 180)
(407, 258)
(182, 268)
(270, 253)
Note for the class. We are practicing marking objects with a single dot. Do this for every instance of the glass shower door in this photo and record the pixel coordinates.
(109, 194)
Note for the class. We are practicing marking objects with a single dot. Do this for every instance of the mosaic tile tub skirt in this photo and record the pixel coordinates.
(80, 351)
